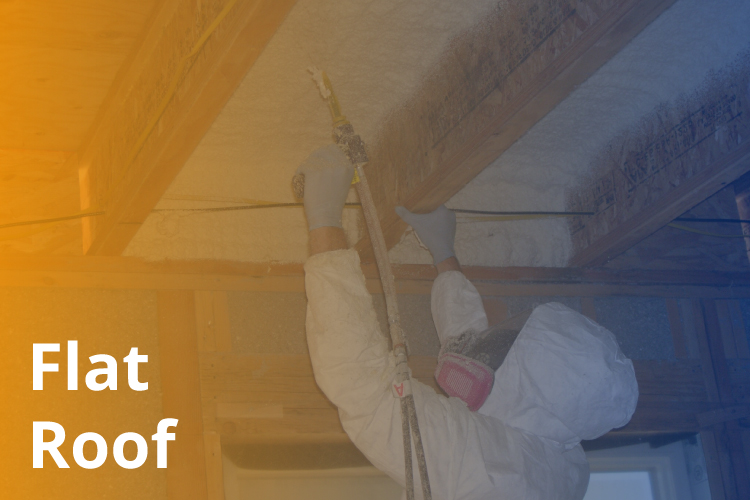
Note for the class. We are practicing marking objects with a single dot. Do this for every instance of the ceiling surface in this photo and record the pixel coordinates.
(61, 59)
(375, 55)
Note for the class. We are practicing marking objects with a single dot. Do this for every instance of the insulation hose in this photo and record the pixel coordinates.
(353, 146)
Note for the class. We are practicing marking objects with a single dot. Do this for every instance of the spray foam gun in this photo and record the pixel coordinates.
(353, 146)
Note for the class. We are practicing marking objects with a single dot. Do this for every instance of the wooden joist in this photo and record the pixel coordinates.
(132, 273)
(491, 87)
(256, 397)
(729, 472)
(165, 97)
(181, 399)
(680, 158)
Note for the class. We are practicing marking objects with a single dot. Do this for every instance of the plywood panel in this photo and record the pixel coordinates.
(80, 25)
(59, 59)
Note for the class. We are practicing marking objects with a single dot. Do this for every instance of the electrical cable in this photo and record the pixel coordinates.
(485, 212)
(175, 81)
(691, 219)
(488, 216)
(47, 221)
(242, 207)
(704, 233)
(172, 89)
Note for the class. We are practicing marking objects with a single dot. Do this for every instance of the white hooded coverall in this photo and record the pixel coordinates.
(563, 380)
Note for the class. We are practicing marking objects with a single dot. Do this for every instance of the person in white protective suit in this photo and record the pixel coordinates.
(563, 380)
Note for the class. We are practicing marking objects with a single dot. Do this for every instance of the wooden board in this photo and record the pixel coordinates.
(162, 104)
(38, 185)
(671, 248)
(738, 328)
(680, 158)
(131, 273)
(214, 466)
(58, 60)
(212, 321)
(727, 448)
(491, 87)
(247, 397)
(186, 471)
(588, 308)
(676, 329)
(713, 464)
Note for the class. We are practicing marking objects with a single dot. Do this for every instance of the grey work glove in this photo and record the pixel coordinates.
(437, 230)
(328, 175)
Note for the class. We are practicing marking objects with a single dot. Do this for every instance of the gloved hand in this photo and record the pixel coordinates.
(328, 175)
(437, 230)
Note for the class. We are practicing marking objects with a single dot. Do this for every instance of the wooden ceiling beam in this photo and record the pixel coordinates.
(190, 60)
(671, 394)
(132, 273)
(492, 86)
(681, 157)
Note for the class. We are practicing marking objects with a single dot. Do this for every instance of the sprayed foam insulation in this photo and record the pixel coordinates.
(104, 322)
(640, 167)
(661, 65)
(274, 323)
(376, 55)
(640, 324)
(671, 248)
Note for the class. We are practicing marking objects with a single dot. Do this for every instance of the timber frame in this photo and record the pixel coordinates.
(190, 60)
(488, 91)
(221, 395)
(681, 157)
(248, 399)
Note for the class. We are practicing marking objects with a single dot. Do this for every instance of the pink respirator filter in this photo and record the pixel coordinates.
(464, 378)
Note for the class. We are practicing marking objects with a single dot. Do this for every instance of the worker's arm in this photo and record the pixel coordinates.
(456, 303)
(326, 239)
(353, 365)
(347, 348)
(355, 370)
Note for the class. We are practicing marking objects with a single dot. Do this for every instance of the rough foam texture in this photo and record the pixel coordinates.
(671, 57)
(375, 54)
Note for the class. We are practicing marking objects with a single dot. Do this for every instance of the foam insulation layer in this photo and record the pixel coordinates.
(375, 53)
(671, 57)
